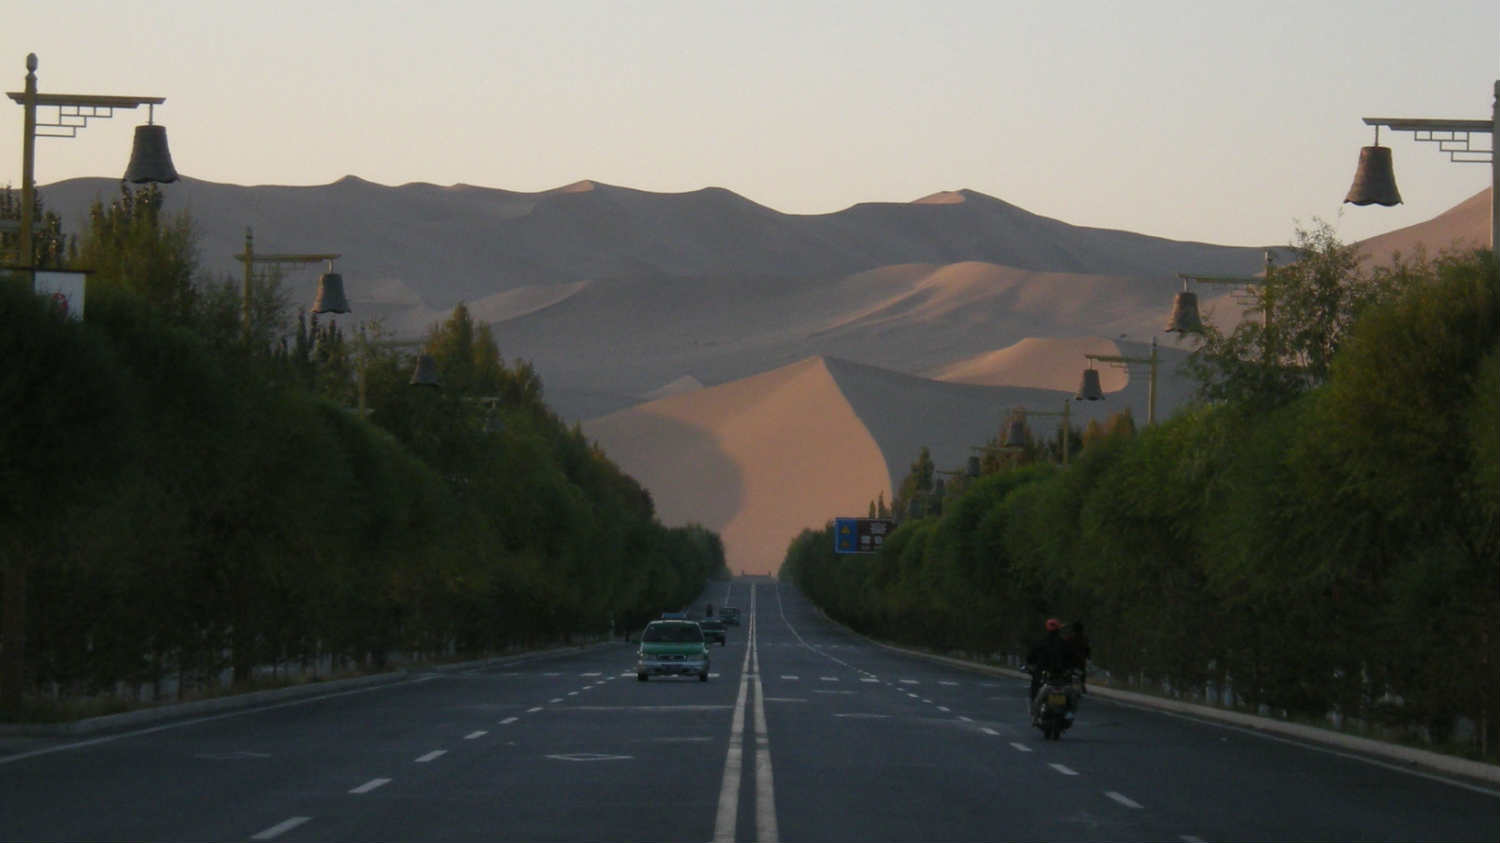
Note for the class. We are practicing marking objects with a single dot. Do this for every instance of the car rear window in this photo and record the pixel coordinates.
(673, 633)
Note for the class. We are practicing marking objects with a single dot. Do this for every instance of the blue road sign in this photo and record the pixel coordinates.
(860, 535)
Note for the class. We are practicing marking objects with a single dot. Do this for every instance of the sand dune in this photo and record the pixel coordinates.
(811, 331)
(756, 460)
(761, 458)
(1044, 363)
(1464, 226)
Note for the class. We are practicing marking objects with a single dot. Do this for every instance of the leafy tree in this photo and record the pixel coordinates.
(913, 498)
(1309, 307)
(49, 247)
(130, 245)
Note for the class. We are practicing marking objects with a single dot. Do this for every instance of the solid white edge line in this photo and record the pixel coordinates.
(177, 724)
(1122, 799)
(1257, 733)
(280, 828)
(370, 785)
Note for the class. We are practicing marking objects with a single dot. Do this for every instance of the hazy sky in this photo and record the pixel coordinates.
(1196, 120)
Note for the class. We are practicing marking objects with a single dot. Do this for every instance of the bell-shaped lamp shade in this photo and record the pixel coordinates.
(426, 373)
(1088, 388)
(150, 161)
(1375, 180)
(1184, 318)
(330, 297)
(1015, 432)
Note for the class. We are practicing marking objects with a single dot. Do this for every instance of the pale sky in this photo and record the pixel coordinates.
(1194, 120)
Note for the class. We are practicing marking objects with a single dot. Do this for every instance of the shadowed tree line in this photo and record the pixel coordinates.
(182, 502)
(1318, 538)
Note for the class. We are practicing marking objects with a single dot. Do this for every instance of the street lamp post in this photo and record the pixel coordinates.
(73, 113)
(1185, 318)
(1015, 433)
(1374, 183)
(330, 298)
(149, 162)
(1124, 361)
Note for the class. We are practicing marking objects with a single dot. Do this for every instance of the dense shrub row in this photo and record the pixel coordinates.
(1336, 551)
(183, 501)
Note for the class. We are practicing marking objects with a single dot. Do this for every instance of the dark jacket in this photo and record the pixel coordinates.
(1052, 654)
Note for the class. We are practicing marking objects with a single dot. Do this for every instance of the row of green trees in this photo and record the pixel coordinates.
(1322, 535)
(177, 500)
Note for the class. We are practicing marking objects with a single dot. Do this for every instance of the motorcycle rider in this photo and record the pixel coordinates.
(1052, 653)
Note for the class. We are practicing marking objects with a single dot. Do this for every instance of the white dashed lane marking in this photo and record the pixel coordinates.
(280, 828)
(949, 683)
(371, 785)
(555, 700)
(595, 673)
(965, 719)
(789, 677)
(509, 720)
(909, 682)
(988, 731)
(1064, 770)
(1122, 799)
(943, 708)
(828, 679)
(475, 734)
(1021, 747)
(436, 753)
(534, 709)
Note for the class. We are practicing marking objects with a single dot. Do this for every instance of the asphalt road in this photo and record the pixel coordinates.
(803, 733)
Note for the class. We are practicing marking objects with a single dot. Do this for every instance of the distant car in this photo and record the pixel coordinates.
(672, 648)
(674, 616)
(730, 615)
(713, 630)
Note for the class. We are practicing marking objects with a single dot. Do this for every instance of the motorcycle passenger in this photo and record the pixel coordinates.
(1078, 640)
(1052, 653)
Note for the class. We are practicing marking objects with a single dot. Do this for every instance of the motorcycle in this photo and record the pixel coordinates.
(1056, 702)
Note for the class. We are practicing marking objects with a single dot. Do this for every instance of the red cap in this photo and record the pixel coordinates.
(1053, 624)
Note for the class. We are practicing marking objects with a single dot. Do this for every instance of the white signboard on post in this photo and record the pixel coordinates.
(64, 288)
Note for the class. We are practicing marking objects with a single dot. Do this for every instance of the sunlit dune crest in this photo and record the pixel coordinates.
(1042, 362)
(580, 186)
(686, 383)
(942, 197)
(1464, 226)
